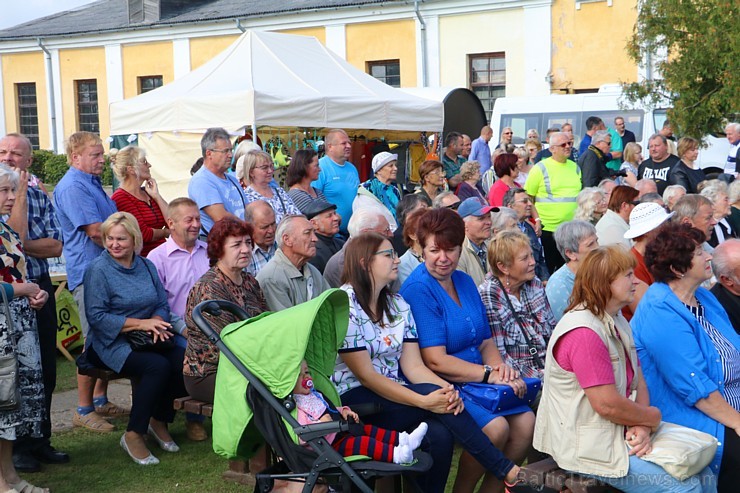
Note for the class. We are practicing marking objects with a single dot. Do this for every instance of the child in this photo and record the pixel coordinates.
(380, 444)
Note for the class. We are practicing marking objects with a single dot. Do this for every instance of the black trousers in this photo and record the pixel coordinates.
(553, 259)
(729, 469)
(47, 328)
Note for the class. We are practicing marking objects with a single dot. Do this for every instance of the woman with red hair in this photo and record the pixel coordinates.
(505, 167)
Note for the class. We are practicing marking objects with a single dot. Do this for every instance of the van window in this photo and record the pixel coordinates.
(633, 120)
(557, 120)
(659, 117)
(520, 124)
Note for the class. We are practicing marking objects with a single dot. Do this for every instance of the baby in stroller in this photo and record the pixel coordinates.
(378, 443)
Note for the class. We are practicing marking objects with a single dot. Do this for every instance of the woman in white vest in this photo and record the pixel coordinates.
(595, 416)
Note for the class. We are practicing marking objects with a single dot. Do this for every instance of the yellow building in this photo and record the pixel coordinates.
(60, 73)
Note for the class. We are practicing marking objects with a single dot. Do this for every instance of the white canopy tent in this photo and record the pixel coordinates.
(264, 80)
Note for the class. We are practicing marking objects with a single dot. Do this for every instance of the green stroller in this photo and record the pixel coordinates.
(259, 365)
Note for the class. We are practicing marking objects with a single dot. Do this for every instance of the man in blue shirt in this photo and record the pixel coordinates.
(82, 206)
(217, 193)
(43, 240)
(338, 179)
(480, 151)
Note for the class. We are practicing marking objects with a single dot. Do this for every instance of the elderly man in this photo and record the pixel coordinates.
(726, 267)
(474, 255)
(575, 239)
(732, 166)
(593, 161)
(217, 193)
(553, 184)
(82, 206)
(338, 179)
(180, 261)
(658, 167)
(672, 194)
(43, 241)
(697, 211)
(480, 151)
(446, 199)
(324, 218)
(262, 217)
(288, 279)
(517, 200)
(645, 187)
(362, 221)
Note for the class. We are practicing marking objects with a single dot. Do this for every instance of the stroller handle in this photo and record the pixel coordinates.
(215, 308)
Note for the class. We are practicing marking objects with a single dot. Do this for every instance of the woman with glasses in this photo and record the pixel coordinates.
(468, 187)
(254, 171)
(432, 179)
(592, 204)
(507, 135)
(611, 228)
(380, 193)
(686, 173)
(379, 362)
(143, 202)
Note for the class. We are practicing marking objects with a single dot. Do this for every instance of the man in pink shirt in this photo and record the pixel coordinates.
(180, 261)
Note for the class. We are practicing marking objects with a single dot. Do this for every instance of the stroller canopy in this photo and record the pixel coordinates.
(272, 346)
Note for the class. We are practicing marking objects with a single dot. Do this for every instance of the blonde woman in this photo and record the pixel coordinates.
(254, 171)
(143, 202)
(632, 159)
(591, 205)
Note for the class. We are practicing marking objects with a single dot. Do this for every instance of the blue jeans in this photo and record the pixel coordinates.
(646, 477)
(444, 429)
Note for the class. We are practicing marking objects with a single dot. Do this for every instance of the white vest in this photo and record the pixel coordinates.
(567, 427)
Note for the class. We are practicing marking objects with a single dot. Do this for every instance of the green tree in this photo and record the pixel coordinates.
(700, 76)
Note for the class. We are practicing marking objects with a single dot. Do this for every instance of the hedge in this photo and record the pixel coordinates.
(50, 167)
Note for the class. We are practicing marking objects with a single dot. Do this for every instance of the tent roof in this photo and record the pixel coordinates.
(276, 80)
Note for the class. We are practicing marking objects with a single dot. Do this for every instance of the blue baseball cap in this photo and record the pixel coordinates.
(474, 206)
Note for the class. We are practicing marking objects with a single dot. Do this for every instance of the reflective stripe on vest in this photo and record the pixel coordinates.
(548, 188)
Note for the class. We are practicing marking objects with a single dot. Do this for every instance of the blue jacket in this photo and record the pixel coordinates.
(679, 361)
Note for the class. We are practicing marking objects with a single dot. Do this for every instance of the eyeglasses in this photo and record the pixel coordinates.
(263, 168)
(508, 133)
(390, 253)
(634, 202)
(564, 145)
(225, 151)
(436, 172)
(523, 201)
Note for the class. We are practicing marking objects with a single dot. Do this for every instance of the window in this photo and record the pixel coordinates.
(87, 106)
(388, 71)
(28, 115)
(149, 83)
(487, 73)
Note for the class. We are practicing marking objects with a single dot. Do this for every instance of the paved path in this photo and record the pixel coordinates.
(63, 404)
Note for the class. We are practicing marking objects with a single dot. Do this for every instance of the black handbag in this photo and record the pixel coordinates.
(140, 340)
(10, 394)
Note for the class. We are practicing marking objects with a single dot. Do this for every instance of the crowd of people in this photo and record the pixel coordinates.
(613, 280)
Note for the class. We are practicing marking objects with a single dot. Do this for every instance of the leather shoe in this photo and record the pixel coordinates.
(25, 462)
(49, 455)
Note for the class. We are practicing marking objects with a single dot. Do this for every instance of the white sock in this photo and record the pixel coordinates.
(402, 454)
(414, 438)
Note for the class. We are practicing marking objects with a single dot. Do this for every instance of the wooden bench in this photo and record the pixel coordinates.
(547, 473)
(238, 470)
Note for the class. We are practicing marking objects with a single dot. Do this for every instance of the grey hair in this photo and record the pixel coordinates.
(363, 220)
(248, 161)
(688, 206)
(657, 136)
(733, 125)
(569, 235)
(285, 228)
(468, 169)
(8, 173)
(244, 147)
(210, 138)
(557, 135)
(587, 201)
(599, 136)
(652, 197)
(252, 207)
(603, 183)
(713, 189)
(723, 260)
(500, 218)
(510, 196)
(437, 202)
(671, 191)
(734, 191)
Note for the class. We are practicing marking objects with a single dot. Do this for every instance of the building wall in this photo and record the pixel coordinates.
(139, 62)
(79, 64)
(389, 40)
(203, 49)
(317, 32)
(25, 68)
(588, 44)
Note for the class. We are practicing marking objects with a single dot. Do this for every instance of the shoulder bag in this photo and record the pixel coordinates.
(140, 340)
(10, 396)
(681, 451)
(532, 348)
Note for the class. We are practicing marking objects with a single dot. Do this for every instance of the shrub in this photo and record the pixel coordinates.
(38, 163)
(50, 167)
(54, 168)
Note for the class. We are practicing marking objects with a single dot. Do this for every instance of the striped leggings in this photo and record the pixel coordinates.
(377, 443)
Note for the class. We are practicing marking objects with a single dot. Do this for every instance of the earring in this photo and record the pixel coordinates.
(508, 283)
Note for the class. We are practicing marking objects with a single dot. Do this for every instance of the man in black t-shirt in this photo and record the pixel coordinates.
(658, 167)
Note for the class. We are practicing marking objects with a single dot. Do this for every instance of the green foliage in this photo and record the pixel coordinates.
(700, 76)
(50, 167)
(54, 168)
(38, 163)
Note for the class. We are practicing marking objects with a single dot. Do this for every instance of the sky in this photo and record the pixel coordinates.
(33, 9)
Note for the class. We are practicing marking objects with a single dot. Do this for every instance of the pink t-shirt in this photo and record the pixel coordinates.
(592, 367)
(497, 192)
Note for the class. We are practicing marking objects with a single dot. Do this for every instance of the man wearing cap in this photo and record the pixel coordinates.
(473, 257)
(379, 193)
(325, 220)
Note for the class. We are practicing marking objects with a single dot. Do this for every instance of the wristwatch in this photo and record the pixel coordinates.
(487, 373)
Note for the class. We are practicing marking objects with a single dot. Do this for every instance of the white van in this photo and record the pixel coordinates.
(543, 112)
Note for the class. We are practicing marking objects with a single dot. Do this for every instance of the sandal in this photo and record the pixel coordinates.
(25, 487)
(111, 410)
(92, 421)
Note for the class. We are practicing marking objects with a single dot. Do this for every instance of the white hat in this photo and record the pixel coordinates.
(646, 217)
(383, 158)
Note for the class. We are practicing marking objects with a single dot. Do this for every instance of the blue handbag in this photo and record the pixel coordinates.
(501, 399)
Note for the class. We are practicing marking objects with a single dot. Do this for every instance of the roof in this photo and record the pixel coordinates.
(112, 15)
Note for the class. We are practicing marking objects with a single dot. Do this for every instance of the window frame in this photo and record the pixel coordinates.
(25, 128)
(92, 105)
(491, 85)
(142, 78)
(369, 65)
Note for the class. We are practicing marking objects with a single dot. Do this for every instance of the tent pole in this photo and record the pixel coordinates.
(254, 132)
